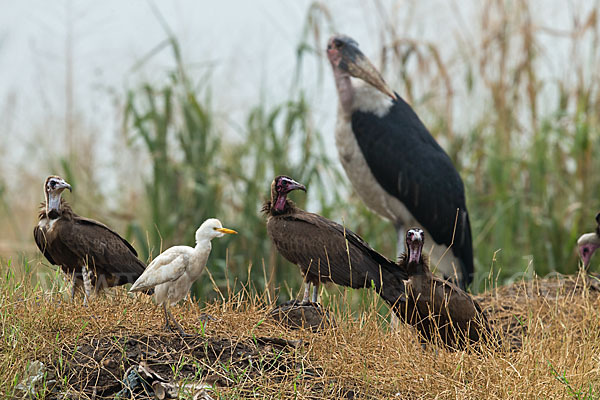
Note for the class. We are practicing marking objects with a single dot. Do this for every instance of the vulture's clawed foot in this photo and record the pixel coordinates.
(299, 314)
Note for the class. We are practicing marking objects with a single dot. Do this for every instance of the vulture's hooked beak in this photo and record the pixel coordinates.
(63, 185)
(225, 230)
(296, 186)
(355, 63)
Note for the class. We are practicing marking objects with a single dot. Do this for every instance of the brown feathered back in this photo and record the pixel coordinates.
(69, 240)
(439, 309)
(326, 251)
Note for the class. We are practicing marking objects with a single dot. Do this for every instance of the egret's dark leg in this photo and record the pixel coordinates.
(167, 325)
(315, 293)
(306, 297)
(179, 328)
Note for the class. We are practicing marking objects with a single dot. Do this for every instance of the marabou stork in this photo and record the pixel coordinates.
(437, 306)
(395, 165)
(326, 251)
(173, 272)
(87, 250)
(588, 243)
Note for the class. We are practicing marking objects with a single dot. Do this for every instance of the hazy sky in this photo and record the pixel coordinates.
(250, 47)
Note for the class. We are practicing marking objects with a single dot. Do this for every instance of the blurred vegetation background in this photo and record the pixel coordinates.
(524, 140)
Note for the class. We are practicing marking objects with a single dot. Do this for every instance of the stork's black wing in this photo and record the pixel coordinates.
(410, 165)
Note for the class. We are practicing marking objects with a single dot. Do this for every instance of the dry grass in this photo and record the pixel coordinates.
(557, 322)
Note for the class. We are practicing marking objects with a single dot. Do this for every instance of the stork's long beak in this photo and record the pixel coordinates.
(225, 230)
(359, 66)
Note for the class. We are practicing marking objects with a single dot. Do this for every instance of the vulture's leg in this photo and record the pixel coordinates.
(73, 286)
(394, 322)
(306, 292)
(87, 283)
(315, 293)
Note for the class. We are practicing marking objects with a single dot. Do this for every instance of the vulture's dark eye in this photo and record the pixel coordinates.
(338, 43)
(52, 184)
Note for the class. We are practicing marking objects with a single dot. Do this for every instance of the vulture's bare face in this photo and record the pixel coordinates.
(414, 244)
(280, 188)
(586, 252)
(285, 184)
(55, 185)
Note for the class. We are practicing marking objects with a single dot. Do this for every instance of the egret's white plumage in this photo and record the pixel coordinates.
(173, 272)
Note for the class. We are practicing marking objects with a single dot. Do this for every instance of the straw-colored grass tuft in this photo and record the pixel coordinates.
(550, 331)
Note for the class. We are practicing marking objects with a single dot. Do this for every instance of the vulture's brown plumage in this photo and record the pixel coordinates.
(436, 306)
(325, 251)
(79, 244)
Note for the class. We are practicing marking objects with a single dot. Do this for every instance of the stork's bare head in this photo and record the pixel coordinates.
(415, 238)
(345, 57)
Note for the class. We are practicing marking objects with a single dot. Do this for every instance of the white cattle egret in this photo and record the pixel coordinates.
(173, 272)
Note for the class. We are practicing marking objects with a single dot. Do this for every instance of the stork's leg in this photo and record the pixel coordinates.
(87, 283)
(305, 299)
(400, 248)
(315, 293)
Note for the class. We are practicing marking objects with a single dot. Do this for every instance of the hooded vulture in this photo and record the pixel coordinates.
(395, 165)
(588, 243)
(173, 272)
(87, 250)
(437, 307)
(326, 251)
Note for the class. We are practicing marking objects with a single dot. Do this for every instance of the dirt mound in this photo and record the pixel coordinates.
(509, 308)
(96, 366)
